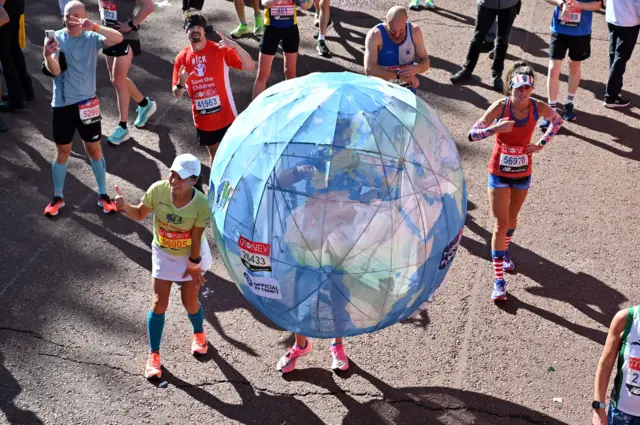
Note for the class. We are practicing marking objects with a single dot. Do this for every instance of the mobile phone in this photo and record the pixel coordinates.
(50, 34)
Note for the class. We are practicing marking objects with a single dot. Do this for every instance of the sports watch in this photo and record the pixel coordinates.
(133, 27)
(598, 405)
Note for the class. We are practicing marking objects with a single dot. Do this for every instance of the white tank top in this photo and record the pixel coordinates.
(625, 395)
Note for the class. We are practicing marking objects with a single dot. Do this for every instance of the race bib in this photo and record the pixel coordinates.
(109, 10)
(513, 159)
(255, 256)
(90, 111)
(282, 12)
(208, 105)
(575, 16)
(174, 240)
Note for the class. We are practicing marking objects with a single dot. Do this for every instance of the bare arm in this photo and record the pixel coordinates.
(111, 35)
(423, 64)
(592, 5)
(196, 241)
(146, 9)
(609, 354)
(554, 2)
(136, 212)
(268, 3)
(51, 59)
(371, 67)
(247, 62)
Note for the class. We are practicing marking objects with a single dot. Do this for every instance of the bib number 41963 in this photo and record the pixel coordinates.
(208, 105)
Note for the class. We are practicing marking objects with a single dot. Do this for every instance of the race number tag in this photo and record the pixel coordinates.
(513, 159)
(90, 111)
(108, 10)
(575, 15)
(283, 10)
(633, 373)
(174, 240)
(255, 256)
(208, 105)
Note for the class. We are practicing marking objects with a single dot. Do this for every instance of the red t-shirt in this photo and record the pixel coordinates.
(209, 87)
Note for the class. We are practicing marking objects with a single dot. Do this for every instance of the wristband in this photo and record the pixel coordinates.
(180, 86)
(193, 266)
(96, 27)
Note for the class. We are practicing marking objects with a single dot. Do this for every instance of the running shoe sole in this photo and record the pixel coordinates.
(615, 105)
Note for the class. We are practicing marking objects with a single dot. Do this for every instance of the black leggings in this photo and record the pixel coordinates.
(192, 4)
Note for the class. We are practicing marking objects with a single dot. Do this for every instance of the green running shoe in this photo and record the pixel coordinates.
(241, 31)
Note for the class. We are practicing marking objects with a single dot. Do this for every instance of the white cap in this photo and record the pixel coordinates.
(186, 165)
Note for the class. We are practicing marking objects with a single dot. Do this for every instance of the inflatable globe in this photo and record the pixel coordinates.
(338, 203)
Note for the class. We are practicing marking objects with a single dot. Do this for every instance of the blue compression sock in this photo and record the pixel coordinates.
(155, 325)
(59, 172)
(99, 168)
(197, 320)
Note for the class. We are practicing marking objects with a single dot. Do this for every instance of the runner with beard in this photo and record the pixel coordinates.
(202, 69)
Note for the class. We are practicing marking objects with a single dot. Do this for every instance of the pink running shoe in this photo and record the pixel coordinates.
(340, 359)
(287, 363)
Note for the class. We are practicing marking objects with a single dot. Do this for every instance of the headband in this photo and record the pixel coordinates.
(194, 20)
(520, 80)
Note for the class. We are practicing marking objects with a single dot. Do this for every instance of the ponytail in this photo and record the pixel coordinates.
(198, 183)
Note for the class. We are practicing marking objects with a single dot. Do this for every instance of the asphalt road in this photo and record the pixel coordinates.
(75, 290)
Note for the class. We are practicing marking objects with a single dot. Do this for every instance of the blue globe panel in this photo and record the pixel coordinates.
(338, 203)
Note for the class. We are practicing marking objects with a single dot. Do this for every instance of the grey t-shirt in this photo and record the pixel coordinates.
(113, 11)
(78, 82)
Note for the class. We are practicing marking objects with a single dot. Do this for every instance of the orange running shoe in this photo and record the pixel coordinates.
(51, 209)
(153, 368)
(199, 344)
(108, 206)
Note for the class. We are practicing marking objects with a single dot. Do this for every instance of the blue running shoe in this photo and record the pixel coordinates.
(145, 113)
(508, 264)
(568, 114)
(118, 136)
(499, 290)
(544, 124)
(414, 5)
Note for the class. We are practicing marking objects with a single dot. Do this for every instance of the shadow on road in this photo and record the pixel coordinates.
(417, 405)
(580, 290)
(258, 405)
(9, 391)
